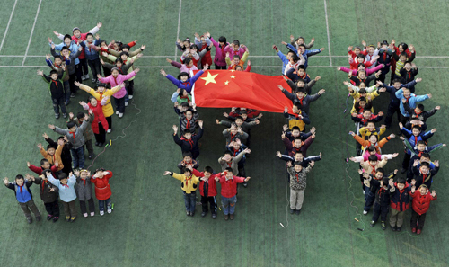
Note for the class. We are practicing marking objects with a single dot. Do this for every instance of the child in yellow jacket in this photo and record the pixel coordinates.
(53, 155)
(189, 185)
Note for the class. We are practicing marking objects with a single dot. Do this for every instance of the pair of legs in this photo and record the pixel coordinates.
(212, 203)
(228, 205)
(296, 199)
(100, 137)
(95, 67)
(78, 157)
(190, 202)
(28, 207)
(91, 206)
(59, 103)
(52, 209)
(396, 218)
(69, 210)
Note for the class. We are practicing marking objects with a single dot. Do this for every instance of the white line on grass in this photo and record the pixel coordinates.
(328, 34)
(179, 27)
(7, 26)
(32, 31)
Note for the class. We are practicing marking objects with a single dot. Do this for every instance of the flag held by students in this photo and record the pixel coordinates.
(229, 88)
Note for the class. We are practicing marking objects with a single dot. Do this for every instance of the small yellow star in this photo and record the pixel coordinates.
(209, 78)
(232, 76)
(226, 83)
(232, 70)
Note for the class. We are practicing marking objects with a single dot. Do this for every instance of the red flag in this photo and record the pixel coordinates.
(229, 88)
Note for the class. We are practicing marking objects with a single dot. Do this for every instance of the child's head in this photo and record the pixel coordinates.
(76, 32)
(423, 189)
(402, 47)
(403, 57)
(114, 72)
(101, 87)
(406, 92)
(187, 157)
(58, 60)
(188, 62)
(297, 142)
(421, 145)
(54, 75)
(117, 45)
(400, 183)
(44, 174)
(361, 67)
(89, 37)
(67, 40)
(45, 164)
(300, 92)
(93, 100)
(300, 82)
(244, 115)
(229, 173)
(362, 92)
(407, 65)
(384, 45)
(186, 43)
(362, 102)
(236, 59)
(227, 156)
(222, 41)
(208, 171)
(203, 40)
(385, 182)
(183, 76)
(416, 130)
(379, 172)
(293, 59)
(301, 70)
(424, 167)
(372, 160)
(290, 54)
(239, 121)
(104, 43)
(124, 55)
(186, 133)
(99, 173)
(62, 178)
(119, 62)
(357, 50)
(236, 45)
(371, 150)
(189, 114)
(184, 106)
(296, 131)
(238, 68)
(370, 126)
(361, 74)
(51, 150)
(360, 58)
(301, 48)
(367, 114)
(362, 85)
(298, 166)
(19, 179)
(425, 157)
(71, 125)
(183, 92)
(237, 144)
(397, 83)
(371, 49)
(372, 139)
(193, 48)
(299, 156)
(419, 108)
(296, 108)
(125, 48)
(83, 174)
(300, 40)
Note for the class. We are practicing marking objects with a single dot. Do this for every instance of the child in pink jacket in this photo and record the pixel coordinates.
(117, 79)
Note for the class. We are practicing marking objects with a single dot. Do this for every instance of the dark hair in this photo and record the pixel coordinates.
(302, 45)
(372, 158)
(369, 121)
(357, 47)
(125, 46)
(51, 146)
(186, 154)
(89, 34)
(379, 170)
(64, 48)
(194, 46)
(45, 172)
(57, 56)
(425, 164)
(416, 127)
(362, 99)
(67, 36)
(208, 169)
(301, 67)
(53, 72)
(298, 163)
(185, 169)
(385, 42)
(227, 152)
(181, 91)
(396, 80)
(426, 155)
(43, 161)
(238, 118)
(119, 59)
(233, 124)
(300, 37)
(300, 90)
(229, 169)
(124, 53)
(362, 91)
(187, 61)
(71, 124)
(295, 57)
(90, 97)
(360, 56)
(421, 142)
(183, 74)
(19, 177)
(404, 45)
(401, 181)
(403, 54)
(300, 80)
(377, 138)
(385, 181)
(185, 131)
(371, 149)
(236, 56)
(295, 128)
(236, 42)
(222, 39)
(62, 176)
(80, 115)
(407, 62)
(291, 51)
(297, 105)
(421, 107)
(360, 65)
(183, 104)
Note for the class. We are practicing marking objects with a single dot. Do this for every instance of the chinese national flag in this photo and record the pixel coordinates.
(229, 88)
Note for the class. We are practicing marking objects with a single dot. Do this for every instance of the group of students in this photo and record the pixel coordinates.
(371, 64)
(61, 171)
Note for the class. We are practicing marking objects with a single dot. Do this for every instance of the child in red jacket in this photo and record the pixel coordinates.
(208, 189)
(102, 188)
(420, 205)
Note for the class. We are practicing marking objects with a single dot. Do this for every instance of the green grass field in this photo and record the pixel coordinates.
(148, 226)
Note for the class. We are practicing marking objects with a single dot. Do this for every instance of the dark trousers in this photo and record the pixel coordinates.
(69, 208)
(109, 119)
(212, 204)
(392, 108)
(404, 120)
(59, 102)
(102, 203)
(88, 144)
(29, 207)
(120, 104)
(130, 87)
(381, 211)
(83, 66)
(83, 206)
(78, 157)
(95, 67)
(100, 137)
(369, 198)
(78, 73)
(417, 220)
(67, 90)
(220, 67)
(106, 71)
(52, 208)
(190, 201)
(406, 161)
(73, 87)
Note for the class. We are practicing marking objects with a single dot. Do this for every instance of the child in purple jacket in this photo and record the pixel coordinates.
(220, 52)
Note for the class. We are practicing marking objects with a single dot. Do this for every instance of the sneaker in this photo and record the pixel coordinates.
(231, 216)
(120, 115)
(100, 145)
(86, 77)
(126, 104)
(109, 210)
(67, 218)
(96, 143)
(94, 80)
(72, 95)
(365, 212)
(393, 228)
(298, 211)
(49, 217)
(214, 216)
(57, 115)
(398, 229)
(384, 226)
(418, 232)
(203, 214)
(98, 82)
(85, 215)
(101, 212)
(245, 184)
(414, 230)
(363, 191)
(226, 217)
(29, 220)
(192, 213)
(92, 214)
(188, 213)
(83, 77)
(372, 223)
(109, 131)
(292, 211)
(55, 219)
(64, 115)
(130, 96)
(72, 219)
(90, 156)
(38, 218)
(117, 112)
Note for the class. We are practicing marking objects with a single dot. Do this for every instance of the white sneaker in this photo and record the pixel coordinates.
(117, 112)
(94, 80)
(109, 130)
(365, 212)
(101, 212)
(363, 191)
(120, 115)
(87, 76)
(92, 214)
(85, 215)
(109, 210)
(130, 96)
(126, 104)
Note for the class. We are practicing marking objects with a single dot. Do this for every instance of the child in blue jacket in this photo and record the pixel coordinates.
(66, 189)
(92, 56)
(184, 81)
(405, 96)
(21, 188)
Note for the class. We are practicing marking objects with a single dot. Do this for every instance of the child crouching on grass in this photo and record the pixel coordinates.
(102, 189)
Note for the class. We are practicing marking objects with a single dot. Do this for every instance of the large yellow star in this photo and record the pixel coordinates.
(209, 78)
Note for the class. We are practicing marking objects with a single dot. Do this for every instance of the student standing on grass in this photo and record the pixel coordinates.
(83, 189)
(420, 205)
(102, 189)
(208, 189)
(189, 185)
(297, 184)
(67, 193)
(21, 188)
(57, 92)
(229, 191)
(49, 195)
